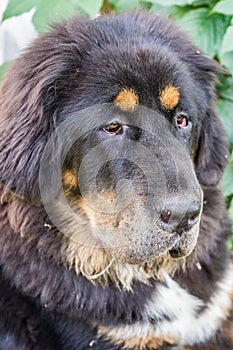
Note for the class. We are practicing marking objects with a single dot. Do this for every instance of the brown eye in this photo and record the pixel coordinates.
(182, 120)
(113, 128)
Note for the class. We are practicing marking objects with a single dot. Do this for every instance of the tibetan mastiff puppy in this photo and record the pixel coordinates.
(113, 227)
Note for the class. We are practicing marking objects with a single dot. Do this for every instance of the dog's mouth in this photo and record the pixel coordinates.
(176, 252)
(145, 246)
(142, 231)
(186, 242)
(179, 251)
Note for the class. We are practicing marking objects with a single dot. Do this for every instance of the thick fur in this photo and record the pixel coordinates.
(55, 294)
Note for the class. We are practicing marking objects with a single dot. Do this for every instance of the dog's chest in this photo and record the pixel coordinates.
(174, 316)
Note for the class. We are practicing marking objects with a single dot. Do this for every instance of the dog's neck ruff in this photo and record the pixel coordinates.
(174, 316)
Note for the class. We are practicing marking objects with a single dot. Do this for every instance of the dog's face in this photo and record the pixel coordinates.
(135, 111)
(132, 171)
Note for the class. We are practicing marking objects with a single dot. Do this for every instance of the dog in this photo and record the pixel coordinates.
(113, 226)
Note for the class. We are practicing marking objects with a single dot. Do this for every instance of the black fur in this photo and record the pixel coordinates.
(81, 63)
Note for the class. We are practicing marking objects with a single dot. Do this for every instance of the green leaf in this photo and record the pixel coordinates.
(90, 7)
(208, 3)
(227, 181)
(52, 11)
(122, 5)
(225, 7)
(230, 240)
(166, 11)
(225, 88)
(226, 52)
(205, 29)
(16, 7)
(227, 44)
(172, 2)
(227, 60)
(225, 112)
(3, 68)
(230, 209)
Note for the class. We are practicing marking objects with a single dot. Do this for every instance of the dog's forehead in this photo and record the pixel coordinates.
(134, 55)
(127, 79)
(127, 99)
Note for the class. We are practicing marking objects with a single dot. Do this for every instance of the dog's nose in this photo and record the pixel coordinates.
(179, 218)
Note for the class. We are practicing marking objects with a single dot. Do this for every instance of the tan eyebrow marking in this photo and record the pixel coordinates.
(126, 100)
(169, 97)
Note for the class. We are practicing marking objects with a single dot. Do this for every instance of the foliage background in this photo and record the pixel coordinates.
(208, 22)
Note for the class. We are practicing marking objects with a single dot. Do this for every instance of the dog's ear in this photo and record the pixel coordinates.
(32, 92)
(213, 153)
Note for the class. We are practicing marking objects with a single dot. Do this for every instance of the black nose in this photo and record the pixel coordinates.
(179, 217)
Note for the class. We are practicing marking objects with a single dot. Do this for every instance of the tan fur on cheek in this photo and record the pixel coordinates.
(169, 97)
(126, 100)
(69, 180)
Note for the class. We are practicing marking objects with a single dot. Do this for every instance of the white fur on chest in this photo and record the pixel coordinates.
(185, 318)
(189, 323)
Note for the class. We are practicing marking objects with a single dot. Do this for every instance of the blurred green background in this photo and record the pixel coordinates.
(208, 22)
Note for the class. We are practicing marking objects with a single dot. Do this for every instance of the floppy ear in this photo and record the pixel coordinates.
(32, 92)
(213, 152)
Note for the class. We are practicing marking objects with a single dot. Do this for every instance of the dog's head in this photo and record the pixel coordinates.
(111, 123)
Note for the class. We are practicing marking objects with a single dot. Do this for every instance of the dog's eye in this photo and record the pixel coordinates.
(113, 128)
(182, 120)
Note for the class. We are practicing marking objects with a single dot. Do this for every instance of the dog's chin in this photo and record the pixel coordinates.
(176, 252)
(187, 243)
(182, 250)
(179, 246)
